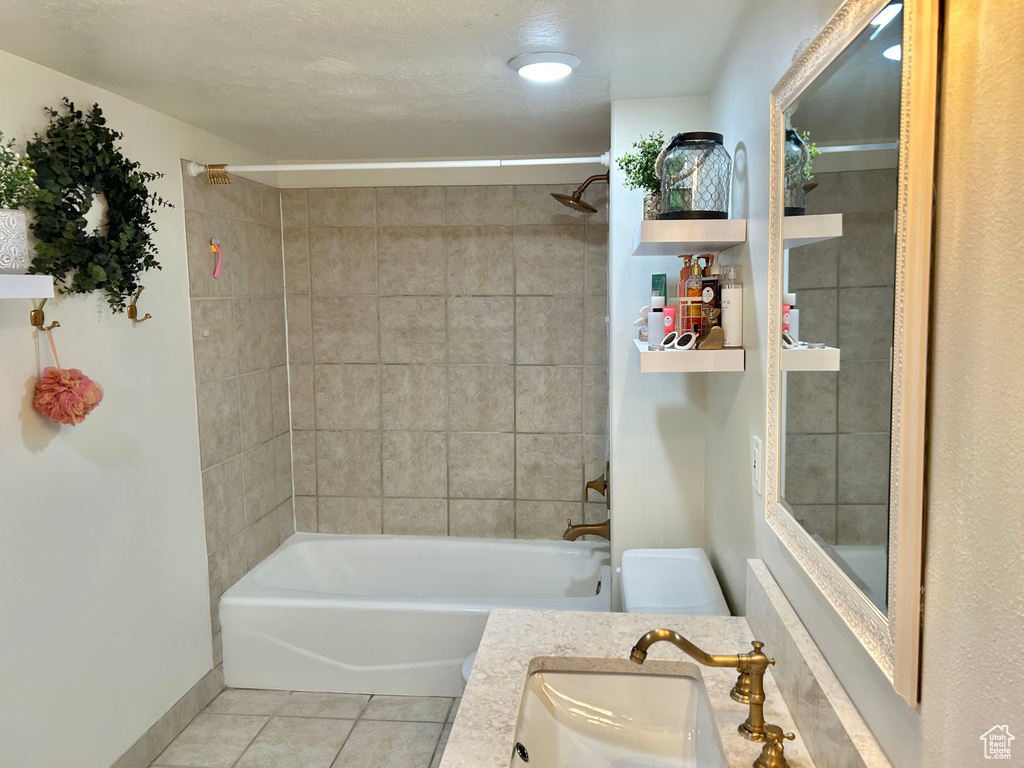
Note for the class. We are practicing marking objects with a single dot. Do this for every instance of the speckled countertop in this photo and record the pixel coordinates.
(518, 642)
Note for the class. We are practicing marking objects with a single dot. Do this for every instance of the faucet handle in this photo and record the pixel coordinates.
(773, 754)
(758, 645)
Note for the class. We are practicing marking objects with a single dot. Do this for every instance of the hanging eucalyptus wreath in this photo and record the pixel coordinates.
(75, 160)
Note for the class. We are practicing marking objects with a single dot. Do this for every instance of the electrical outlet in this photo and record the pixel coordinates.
(755, 463)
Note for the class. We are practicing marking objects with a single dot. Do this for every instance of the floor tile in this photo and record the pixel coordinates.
(377, 744)
(296, 742)
(342, 705)
(430, 709)
(243, 701)
(211, 741)
(441, 744)
(454, 710)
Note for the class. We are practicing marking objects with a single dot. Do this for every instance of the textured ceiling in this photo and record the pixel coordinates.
(337, 79)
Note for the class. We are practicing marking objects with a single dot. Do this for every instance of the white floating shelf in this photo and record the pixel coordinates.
(675, 237)
(26, 287)
(803, 359)
(804, 230)
(689, 360)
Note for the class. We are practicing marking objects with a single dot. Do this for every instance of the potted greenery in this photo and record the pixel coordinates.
(638, 165)
(17, 189)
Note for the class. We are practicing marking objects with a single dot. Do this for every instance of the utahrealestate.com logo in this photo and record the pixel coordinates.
(997, 742)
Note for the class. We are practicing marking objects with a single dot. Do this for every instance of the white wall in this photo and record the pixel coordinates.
(656, 421)
(103, 578)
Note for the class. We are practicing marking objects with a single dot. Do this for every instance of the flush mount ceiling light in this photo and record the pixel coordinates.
(544, 67)
(895, 53)
(887, 14)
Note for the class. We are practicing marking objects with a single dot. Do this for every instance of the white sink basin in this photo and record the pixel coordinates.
(616, 720)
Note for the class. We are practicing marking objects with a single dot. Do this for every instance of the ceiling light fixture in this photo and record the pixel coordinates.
(544, 67)
(895, 53)
(887, 14)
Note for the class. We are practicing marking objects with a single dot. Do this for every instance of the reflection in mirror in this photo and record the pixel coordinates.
(841, 157)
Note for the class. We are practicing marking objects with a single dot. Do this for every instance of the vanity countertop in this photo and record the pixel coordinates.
(518, 642)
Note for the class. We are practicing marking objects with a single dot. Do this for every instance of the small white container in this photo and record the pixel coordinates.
(655, 328)
(732, 308)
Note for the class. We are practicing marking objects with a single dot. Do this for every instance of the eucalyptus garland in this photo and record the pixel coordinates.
(74, 160)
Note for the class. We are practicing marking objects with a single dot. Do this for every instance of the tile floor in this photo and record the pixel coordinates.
(280, 729)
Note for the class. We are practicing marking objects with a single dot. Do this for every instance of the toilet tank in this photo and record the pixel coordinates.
(671, 581)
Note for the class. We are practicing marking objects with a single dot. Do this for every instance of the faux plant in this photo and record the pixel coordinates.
(76, 159)
(17, 181)
(638, 165)
(812, 152)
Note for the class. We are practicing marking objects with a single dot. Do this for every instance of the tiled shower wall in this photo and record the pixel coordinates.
(238, 326)
(448, 355)
(837, 423)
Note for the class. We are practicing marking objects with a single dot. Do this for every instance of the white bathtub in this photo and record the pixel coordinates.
(392, 614)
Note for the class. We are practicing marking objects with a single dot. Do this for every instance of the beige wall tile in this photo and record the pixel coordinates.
(305, 514)
(283, 468)
(412, 260)
(594, 513)
(351, 516)
(415, 465)
(863, 465)
(213, 339)
(413, 329)
(865, 323)
(223, 502)
(866, 524)
(345, 330)
(255, 413)
(260, 477)
(227, 564)
(246, 255)
(200, 228)
(481, 465)
(293, 207)
(534, 204)
(416, 517)
(273, 261)
(867, 249)
(415, 397)
(347, 396)
(300, 378)
(540, 334)
(343, 261)
(285, 521)
(270, 206)
(200, 196)
(252, 331)
(482, 518)
(549, 398)
(595, 400)
(410, 206)
(595, 332)
(811, 401)
(277, 347)
(296, 741)
(343, 207)
(219, 437)
(244, 200)
(481, 260)
(261, 538)
(815, 265)
(481, 398)
(545, 519)
(300, 330)
(549, 467)
(481, 329)
(810, 469)
(549, 260)
(480, 205)
(817, 519)
(867, 190)
(304, 462)
(819, 316)
(596, 270)
(296, 261)
(865, 397)
(279, 399)
(348, 463)
(595, 457)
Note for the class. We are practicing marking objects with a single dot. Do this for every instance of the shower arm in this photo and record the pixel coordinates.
(596, 177)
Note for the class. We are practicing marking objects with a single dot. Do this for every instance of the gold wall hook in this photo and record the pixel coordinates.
(53, 325)
(37, 317)
(133, 311)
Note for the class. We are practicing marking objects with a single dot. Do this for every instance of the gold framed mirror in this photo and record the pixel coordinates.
(846, 397)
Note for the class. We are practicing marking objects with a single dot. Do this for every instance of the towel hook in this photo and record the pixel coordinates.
(37, 317)
(133, 312)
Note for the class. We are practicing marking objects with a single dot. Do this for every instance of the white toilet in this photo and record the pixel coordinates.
(671, 581)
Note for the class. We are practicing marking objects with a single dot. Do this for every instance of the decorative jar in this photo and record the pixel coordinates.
(796, 159)
(652, 206)
(695, 171)
(13, 241)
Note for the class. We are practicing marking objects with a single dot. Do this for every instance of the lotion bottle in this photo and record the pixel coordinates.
(732, 307)
(656, 324)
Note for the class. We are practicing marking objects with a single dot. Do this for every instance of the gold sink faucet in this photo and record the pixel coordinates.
(749, 687)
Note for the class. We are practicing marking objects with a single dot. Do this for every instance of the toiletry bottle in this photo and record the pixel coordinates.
(656, 323)
(791, 320)
(694, 288)
(670, 318)
(659, 284)
(732, 307)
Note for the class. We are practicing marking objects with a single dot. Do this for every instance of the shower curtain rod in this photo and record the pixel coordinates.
(197, 169)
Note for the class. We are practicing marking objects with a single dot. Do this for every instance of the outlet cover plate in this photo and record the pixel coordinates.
(755, 463)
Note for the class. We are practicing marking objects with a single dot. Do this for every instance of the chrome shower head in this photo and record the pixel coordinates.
(575, 200)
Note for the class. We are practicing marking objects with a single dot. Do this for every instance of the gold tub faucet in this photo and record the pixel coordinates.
(573, 532)
(749, 688)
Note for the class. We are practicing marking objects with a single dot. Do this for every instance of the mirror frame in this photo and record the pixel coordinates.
(892, 639)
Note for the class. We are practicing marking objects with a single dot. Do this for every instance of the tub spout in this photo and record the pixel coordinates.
(573, 532)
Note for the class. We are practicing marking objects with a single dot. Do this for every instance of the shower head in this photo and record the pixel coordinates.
(575, 200)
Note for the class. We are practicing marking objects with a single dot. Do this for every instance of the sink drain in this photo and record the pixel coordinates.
(521, 751)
